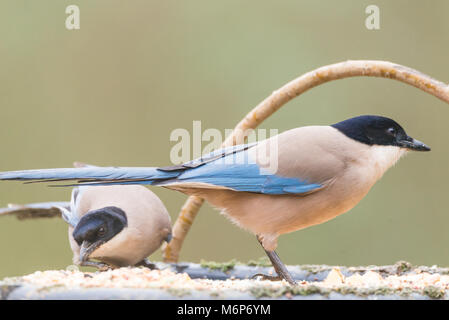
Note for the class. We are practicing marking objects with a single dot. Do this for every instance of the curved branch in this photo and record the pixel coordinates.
(278, 98)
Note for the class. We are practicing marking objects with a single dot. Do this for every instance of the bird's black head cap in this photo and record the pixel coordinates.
(101, 225)
(378, 130)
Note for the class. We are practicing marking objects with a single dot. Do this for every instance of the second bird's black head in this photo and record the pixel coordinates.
(377, 130)
(98, 227)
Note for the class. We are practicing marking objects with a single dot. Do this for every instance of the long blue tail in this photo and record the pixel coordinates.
(142, 175)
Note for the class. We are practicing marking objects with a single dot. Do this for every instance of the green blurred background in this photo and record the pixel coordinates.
(112, 92)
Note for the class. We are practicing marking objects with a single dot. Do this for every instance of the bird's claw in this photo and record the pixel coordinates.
(100, 266)
(147, 264)
(267, 277)
(279, 277)
(104, 267)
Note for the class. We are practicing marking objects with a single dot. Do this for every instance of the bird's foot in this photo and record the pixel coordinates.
(100, 266)
(285, 275)
(267, 277)
(147, 264)
(279, 277)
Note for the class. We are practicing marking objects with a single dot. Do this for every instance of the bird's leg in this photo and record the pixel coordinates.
(279, 267)
(100, 266)
(147, 264)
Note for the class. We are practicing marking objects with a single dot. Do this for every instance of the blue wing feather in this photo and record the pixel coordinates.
(240, 175)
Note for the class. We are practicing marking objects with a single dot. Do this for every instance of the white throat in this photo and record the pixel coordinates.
(384, 157)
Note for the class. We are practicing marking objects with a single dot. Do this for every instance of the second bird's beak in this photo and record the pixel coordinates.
(413, 144)
(87, 248)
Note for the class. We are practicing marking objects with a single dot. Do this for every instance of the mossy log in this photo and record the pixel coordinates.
(231, 280)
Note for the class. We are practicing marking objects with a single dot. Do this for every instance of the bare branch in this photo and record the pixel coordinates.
(278, 98)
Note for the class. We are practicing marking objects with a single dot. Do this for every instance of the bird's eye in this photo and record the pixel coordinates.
(101, 232)
(391, 131)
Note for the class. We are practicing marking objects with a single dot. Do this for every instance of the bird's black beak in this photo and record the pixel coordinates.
(87, 248)
(413, 144)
